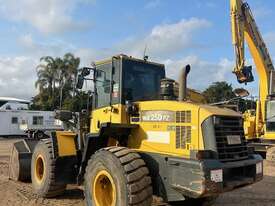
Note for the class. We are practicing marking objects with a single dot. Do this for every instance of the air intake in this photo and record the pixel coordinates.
(183, 116)
(183, 136)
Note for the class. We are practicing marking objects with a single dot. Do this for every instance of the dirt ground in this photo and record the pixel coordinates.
(20, 194)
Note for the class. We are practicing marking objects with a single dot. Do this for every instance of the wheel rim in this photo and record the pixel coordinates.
(39, 168)
(104, 190)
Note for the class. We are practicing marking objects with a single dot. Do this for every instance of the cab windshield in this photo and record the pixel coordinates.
(141, 81)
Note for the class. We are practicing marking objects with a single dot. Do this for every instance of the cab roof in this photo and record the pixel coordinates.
(123, 56)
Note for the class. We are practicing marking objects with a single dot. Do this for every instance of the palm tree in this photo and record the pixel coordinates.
(72, 64)
(56, 78)
(46, 72)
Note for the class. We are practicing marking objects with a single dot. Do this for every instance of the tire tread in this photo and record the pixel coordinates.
(52, 188)
(136, 175)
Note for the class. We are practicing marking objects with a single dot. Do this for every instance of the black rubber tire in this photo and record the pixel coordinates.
(129, 172)
(48, 187)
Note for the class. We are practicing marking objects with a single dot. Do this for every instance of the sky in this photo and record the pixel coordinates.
(176, 33)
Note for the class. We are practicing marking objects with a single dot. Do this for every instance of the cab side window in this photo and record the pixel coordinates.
(103, 85)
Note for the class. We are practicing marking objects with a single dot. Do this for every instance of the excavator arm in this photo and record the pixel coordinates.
(243, 73)
(244, 29)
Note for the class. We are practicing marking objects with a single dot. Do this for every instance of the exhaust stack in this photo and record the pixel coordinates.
(183, 82)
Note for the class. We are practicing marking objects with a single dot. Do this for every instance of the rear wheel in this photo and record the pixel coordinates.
(117, 176)
(43, 171)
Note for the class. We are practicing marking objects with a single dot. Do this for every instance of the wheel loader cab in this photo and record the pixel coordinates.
(122, 80)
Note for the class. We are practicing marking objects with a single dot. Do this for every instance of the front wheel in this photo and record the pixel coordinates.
(117, 176)
(43, 171)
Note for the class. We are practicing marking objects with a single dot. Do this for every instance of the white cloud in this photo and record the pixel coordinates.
(53, 47)
(48, 16)
(88, 55)
(17, 76)
(164, 43)
(202, 72)
(166, 39)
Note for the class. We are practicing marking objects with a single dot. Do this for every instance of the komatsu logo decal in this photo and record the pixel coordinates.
(157, 116)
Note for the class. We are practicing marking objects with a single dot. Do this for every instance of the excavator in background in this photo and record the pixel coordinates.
(259, 124)
(195, 96)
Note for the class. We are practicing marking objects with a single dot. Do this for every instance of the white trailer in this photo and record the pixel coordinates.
(16, 119)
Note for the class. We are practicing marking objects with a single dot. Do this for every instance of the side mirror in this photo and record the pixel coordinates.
(85, 71)
(241, 92)
(80, 81)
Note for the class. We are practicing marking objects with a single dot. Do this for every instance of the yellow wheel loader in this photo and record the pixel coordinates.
(141, 141)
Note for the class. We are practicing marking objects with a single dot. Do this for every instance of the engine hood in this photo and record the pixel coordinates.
(207, 110)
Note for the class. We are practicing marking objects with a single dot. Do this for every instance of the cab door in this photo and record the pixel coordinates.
(102, 110)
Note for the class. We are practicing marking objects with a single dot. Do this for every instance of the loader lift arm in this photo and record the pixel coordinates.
(244, 29)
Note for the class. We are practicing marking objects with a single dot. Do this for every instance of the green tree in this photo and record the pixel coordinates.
(69, 76)
(245, 104)
(47, 72)
(78, 102)
(219, 91)
(55, 82)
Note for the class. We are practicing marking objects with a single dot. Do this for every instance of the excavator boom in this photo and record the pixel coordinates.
(244, 28)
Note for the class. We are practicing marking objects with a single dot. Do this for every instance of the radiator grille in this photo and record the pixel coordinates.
(183, 117)
(183, 136)
(230, 126)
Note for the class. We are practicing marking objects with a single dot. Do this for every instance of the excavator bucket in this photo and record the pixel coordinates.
(20, 160)
(247, 75)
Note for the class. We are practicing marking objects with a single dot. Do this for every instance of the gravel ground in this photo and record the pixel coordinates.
(20, 194)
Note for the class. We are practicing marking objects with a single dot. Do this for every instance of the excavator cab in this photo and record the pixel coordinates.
(272, 84)
(270, 116)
